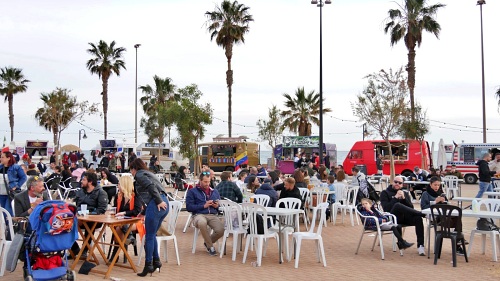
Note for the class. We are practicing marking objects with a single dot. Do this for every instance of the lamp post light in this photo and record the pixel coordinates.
(481, 3)
(136, 46)
(320, 4)
(80, 136)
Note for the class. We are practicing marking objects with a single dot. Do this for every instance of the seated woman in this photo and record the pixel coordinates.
(181, 174)
(385, 224)
(126, 205)
(108, 178)
(435, 193)
(253, 183)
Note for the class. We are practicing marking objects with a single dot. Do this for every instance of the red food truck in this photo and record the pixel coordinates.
(407, 154)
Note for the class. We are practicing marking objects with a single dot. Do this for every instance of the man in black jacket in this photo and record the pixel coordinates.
(484, 175)
(398, 203)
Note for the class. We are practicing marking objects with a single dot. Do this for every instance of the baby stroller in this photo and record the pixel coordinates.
(54, 229)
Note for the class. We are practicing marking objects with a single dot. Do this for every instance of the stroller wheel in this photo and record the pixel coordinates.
(71, 275)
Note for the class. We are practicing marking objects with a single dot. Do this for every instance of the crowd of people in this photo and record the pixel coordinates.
(147, 197)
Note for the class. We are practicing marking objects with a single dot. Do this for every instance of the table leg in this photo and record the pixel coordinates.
(85, 242)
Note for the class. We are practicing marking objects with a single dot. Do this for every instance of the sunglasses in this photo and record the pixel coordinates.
(398, 182)
(205, 173)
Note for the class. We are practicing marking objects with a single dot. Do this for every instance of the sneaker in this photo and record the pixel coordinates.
(212, 251)
(421, 250)
(460, 250)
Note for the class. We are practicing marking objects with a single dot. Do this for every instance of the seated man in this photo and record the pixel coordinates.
(290, 190)
(261, 171)
(228, 189)
(253, 172)
(357, 176)
(397, 202)
(418, 175)
(94, 197)
(26, 201)
(203, 202)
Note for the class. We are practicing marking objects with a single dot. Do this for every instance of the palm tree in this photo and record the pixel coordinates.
(408, 22)
(12, 81)
(154, 103)
(107, 59)
(228, 25)
(302, 110)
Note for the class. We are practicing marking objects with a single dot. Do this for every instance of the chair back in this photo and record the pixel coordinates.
(318, 196)
(492, 205)
(304, 193)
(5, 222)
(352, 195)
(229, 208)
(53, 183)
(253, 211)
(341, 192)
(289, 203)
(447, 219)
(322, 219)
(261, 199)
(174, 209)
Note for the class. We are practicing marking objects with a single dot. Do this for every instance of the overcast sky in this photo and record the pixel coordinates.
(48, 40)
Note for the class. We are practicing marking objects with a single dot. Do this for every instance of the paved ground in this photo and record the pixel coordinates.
(342, 264)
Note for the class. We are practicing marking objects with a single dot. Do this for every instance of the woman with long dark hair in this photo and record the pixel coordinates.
(12, 178)
(108, 178)
(154, 200)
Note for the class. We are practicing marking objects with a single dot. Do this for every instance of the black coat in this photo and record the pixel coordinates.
(388, 200)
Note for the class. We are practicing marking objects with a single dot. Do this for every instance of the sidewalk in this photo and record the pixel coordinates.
(340, 243)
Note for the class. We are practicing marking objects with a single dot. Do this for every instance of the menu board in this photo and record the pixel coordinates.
(468, 154)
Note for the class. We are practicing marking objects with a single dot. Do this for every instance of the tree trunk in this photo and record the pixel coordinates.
(10, 98)
(105, 78)
(273, 159)
(410, 68)
(57, 149)
(392, 159)
(229, 81)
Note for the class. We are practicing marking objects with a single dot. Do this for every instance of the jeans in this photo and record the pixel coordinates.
(153, 222)
(5, 203)
(408, 216)
(484, 186)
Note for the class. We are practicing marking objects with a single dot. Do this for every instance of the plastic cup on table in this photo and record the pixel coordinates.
(83, 208)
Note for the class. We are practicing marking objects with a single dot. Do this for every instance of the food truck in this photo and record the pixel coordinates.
(285, 152)
(228, 154)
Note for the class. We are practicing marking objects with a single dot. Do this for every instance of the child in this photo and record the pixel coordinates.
(368, 210)
(331, 187)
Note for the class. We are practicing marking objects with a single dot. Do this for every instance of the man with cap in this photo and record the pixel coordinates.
(27, 200)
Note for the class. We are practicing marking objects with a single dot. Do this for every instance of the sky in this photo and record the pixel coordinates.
(48, 41)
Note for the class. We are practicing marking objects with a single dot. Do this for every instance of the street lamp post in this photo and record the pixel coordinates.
(320, 4)
(80, 136)
(136, 46)
(481, 3)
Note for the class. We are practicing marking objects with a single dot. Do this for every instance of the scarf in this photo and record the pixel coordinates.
(119, 202)
(433, 193)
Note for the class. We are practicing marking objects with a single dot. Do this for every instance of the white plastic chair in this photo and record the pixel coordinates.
(321, 197)
(347, 203)
(253, 210)
(305, 194)
(5, 219)
(67, 190)
(451, 186)
(289, 221)
(233, 224)
(261, 199)
(53, 182)
(379, 232)
(173, 214)
(492, 205)
(311, 235)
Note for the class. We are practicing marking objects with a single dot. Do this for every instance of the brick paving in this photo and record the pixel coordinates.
(340, 243)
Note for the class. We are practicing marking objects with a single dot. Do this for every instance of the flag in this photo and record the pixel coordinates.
(240, 160)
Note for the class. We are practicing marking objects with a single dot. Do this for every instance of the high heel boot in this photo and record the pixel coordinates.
(148, 268)
(156, 264)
